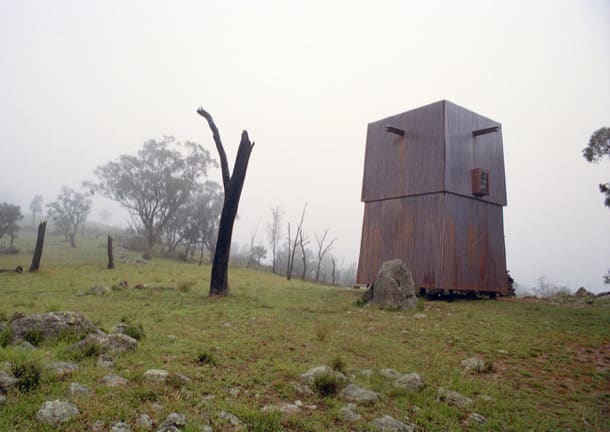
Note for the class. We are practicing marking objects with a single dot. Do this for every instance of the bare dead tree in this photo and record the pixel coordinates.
(332, 275)
(292, 245)
(304, 241)
(251, 251)
(322, 250)
(110, 256)
(42, 228)
(274, 233)
(233, 185)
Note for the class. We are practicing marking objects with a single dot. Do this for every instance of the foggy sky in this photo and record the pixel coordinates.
(83, 82)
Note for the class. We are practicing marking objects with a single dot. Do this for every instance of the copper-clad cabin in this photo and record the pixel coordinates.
(433, 189)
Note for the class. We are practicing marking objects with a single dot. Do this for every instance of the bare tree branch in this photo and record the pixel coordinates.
(224, 165)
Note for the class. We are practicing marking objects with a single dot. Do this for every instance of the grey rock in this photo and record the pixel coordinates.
(173, 422)
(476, 418)
(302, 389)
(50, 325)
(145, 422)
(284, 407)
(62, 368)
(393, 288)
(79, 389)
(234, 392)
(56, 412)
(99, 290)
(233, 420)
(420, 316)
(454, 398)
(473, 364)
(310, 375)
(486, 398)
(105, 361)
(390, 374)
(119, 343)
(120, 426)
(206, 428)
(6, 381)
(367, 373)
(115, 381)
(390, 424)
(411, 382)
(25, 345)
(353, 393)
(2, 399)
(156, 375)
(98, 426)
(180, 378)
(349, 413)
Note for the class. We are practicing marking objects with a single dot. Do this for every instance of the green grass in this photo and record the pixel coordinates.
(549, 360)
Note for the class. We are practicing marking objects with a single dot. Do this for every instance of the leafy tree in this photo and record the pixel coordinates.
(598, 148)
(36, 208)
(155, 183)
(9, 215)
(69, 212)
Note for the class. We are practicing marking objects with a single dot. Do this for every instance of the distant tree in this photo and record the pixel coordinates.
(69, 212)
(9, 216)
(258, 253)
(274, 234)
(233, 185)
(155, 183)
(597, 149)
(292, 244)
(303, 241)
(322, 250)
(251, 249)
(36, 208)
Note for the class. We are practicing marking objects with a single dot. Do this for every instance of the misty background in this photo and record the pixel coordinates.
(84, 82)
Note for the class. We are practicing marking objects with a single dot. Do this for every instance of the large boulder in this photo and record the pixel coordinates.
(51, 325)
(394, 287)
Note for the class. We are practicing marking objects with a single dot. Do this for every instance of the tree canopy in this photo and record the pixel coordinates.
(155, 183)
(596, 150)
(9, 215)
(69, 212)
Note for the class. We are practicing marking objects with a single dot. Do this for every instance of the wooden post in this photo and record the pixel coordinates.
(42, 227)
(110, 256)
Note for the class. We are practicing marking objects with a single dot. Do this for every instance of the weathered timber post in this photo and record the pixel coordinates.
(42, 227)
(233, 184)
(110, 256)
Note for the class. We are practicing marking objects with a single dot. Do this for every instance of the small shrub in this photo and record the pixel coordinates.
(136, 332)
(338, 364)
(6, 336)
(33, 336)
(206, 357)
(326, 384)
(28, 373)
(360, 302)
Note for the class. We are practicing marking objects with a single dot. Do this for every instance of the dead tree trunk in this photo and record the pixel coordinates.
(42, 227)
(292, 249)
(233, 185)
(110, 256)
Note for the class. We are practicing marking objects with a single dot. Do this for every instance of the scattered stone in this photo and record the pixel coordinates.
(411, 382)
(206, 428)
(179, 378)
(390, 374)
(115, 380)
(284, 407)
(310, 376)
(226, 325)
(454, 398)
(389, 424)
(63, 369)
(302, 389)
(393, 288)
(419, 315)
(230, 418)
(105, 361)
(367, 373)
(145, 422)
(122, 285)
(172, 337)
(99, 290)
(2, 399)
(25, 345)
(120, 426)
(173, 423)
(6, 381)
(348, 413)
(156, 375)
(353, 393)
(501, 351)
(476, 418)
(119, 343)
(79, 389)
(56, 412)
(234, 392)
(486, 398)
(140, 260)
(50, 325)
(416, 409)
(473, 364)
(156, 407)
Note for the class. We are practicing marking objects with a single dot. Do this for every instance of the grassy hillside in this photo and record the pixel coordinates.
(547, 360)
